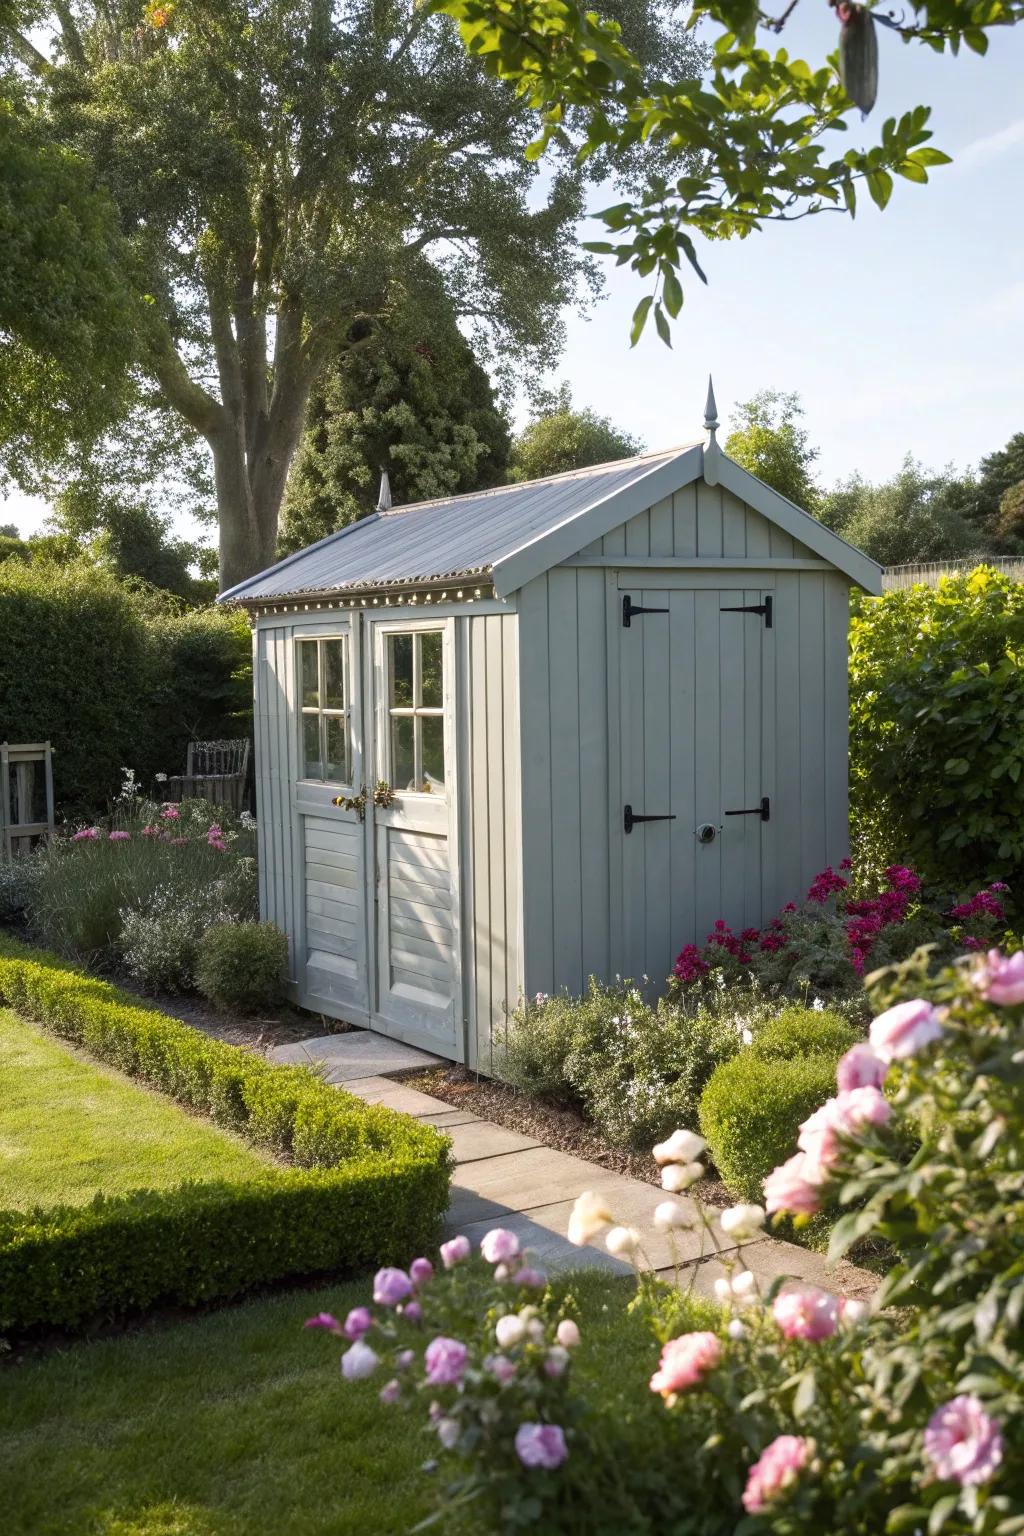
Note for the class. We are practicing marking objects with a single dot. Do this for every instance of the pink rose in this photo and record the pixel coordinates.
(501, 1368)
(358, 1322)
(775, 1470)
(499, 1245)
(1000, 978)
(324, 1320)
(905, 1030)
(455, 1251)
(391, 1391)
(412, 1312)
(445, 1360)
(420, 1271)
(684, 1361)
(390, 1286)
(541, 1445)
(119, 837)
(806, 1313)
(847, 1115)
(793, 1187)
(86, 835)
(860, 1068)
(170, 813)
(962, 1443)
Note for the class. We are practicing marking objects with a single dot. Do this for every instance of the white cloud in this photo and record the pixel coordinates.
(981, 151)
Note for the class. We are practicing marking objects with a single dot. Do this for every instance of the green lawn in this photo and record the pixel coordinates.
(238, 1424)
(69, 1128)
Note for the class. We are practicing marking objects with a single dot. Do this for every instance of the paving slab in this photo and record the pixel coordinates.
(380, 1090)
(362, 1053)
(769, 1258)
(451, 1117)
(294, 1055)
(480, 1139)
(495, 1187)
(552, 1249)
(632, 1205)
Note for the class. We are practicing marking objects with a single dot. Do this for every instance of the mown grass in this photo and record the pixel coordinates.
(70, 1128)
(238, 1424)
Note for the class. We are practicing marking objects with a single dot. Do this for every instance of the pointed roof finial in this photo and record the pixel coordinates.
(711, 411)
(384, 499)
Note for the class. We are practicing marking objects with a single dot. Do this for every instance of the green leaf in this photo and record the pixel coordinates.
(662, 325)
(879, 186)
(640, 319)
(673, 291)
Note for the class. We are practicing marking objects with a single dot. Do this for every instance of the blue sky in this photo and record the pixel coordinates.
(902, 330)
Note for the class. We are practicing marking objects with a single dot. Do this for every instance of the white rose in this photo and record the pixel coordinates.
(358, 1362)
(742, 1221)
(623, 1242)
(568, 1334)
(736, 1329)
(681, 1147)
(679, 1176)
(509, 1330)
(448, 1433)
(535, 1329)
(589, 1215)
(670, 1214)
(743, 1283)
(723, 1290)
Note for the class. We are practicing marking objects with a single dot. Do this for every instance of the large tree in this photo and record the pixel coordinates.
(281, 170)
(561, 438)
(414, 402)
(756, 139)
(914, 516)
(770, 442)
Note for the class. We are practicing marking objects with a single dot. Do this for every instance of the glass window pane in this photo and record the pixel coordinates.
(432, 727)
(310, 685)
(334, 674)
(337, 749)
(400, 671)
(431, 661)
(402, 748)
(312, 766)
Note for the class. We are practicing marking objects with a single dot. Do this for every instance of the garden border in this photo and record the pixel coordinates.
(370, 1185)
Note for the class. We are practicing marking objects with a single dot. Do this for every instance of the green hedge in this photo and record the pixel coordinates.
(364, 1186)
(83, 665)
(751, 1110)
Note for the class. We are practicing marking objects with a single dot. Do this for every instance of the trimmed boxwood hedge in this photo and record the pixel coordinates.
(364, 1186)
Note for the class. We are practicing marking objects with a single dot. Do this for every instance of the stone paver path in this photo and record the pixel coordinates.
(503, 1178)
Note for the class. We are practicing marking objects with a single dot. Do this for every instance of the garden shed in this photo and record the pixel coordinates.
(514, 738)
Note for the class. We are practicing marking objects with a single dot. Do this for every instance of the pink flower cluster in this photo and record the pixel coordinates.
(685, 1361)
(962, 1443)
(1000, 978)
(215, 839)
(689, 964)
(775, 1471)
(86, 835)
(985, 903)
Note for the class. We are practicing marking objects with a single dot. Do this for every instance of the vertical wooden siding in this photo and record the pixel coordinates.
(488, 733)
(275, 772)
(569, 826)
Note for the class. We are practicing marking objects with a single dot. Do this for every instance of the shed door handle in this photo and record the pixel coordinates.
(764, 810)
(630, 818)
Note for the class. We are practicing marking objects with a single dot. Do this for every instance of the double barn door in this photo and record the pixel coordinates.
(374, 797)
(692, 761)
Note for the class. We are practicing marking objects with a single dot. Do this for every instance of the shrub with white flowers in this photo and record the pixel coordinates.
(801, 1411)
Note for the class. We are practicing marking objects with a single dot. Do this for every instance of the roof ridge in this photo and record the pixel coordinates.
(522, 485)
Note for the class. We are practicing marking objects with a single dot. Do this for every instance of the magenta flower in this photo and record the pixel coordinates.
(445, 1360)
(541, 1445)
(806, 1313)
(390, 1286)
(119, 837)
(86, 835)
(860, 1068)
(499, 1245)
(793, 1187)
(776, 1470)
(455, 1251)
(171, 813)
(904, 1030)
(420, 1271)
(412, 1312)
(501, 1368)
(323, 1320)
(358, 1322)
(390, 1391)
(962, 1443)
(150, 832)
(1000, 978)
(532, 1279)
(684, 1361)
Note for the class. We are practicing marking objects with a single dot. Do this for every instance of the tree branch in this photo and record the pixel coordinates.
(29, 54)
(200, 409)
(70, 33)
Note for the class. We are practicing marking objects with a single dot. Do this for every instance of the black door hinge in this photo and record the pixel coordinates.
(764, 609)
(629, 609)
(764, 810)
(630, 818)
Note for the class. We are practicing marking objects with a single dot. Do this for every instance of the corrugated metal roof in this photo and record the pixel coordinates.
(457, 538)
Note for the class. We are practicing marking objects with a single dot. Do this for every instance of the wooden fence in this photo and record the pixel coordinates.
(930, 572)
(26, 795)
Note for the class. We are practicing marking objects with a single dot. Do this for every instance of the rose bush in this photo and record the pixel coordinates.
(800, 1411)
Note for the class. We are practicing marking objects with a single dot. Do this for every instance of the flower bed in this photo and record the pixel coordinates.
(366, 1184)
(793, 1410)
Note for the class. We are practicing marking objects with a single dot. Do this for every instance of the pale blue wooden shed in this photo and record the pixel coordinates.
(605, 709)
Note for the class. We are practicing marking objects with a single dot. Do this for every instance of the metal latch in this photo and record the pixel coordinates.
(764, 609)
(631, 609)
(630, 819)
(764, 810)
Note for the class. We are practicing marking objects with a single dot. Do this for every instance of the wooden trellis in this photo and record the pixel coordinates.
(26, 795)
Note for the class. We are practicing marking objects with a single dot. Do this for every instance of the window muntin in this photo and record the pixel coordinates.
(325, 707)
(415, 674)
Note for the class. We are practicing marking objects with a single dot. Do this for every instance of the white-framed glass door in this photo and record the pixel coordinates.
(331, 862)
(411, 681)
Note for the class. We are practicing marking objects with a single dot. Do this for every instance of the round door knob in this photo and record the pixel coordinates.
(706, 832)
